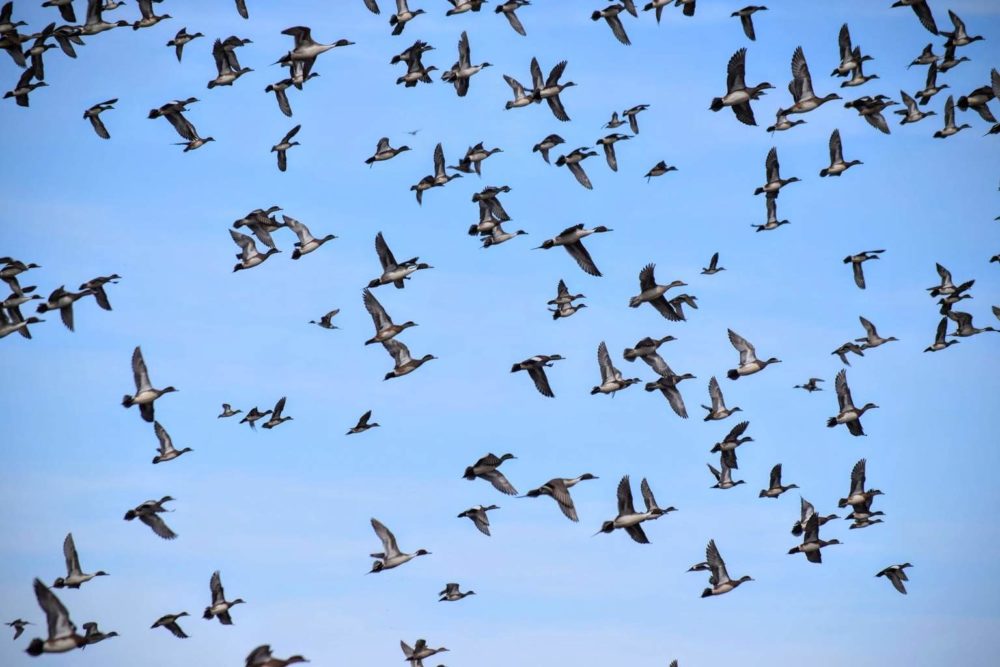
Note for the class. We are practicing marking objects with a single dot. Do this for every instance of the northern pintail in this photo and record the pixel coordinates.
(848, 347)
(810, 386)
(837, 164)
(463, 70)
(922, 11)
(145, 394)
(949, 60)
(659, 169)
(858, 495)
(403, 16)
(871, 108)
(931, 87)
(772, 217)
(615, 121)
(947, 286)
(558, 490)
(219, 608)
(857, 260)
(393, 272)
(11, 268)
(149, 512)
(419, 652)
(281, 148)
(478, 153)
(812, 545)
(13, 321)
(950, 128)
(912, 114)
(977, 100)
(535, 366)
(306, 49)
(249, 256)
(849, 415)
(522, 98)
(326, 321)
(96, 287)
(563, 297)
(149, 18)
(652, 293)
(94, 635)
(167, 451)
(93, 114)
(549, 89)
(738, 94)
(23, 88)
(452, 594)
(411, 53)
(781, 123)
(850, 57)
(180, 39)
(774, 180)
(8, 24)
(169, 621)
(262, 657)
(75, 576)
(416, 73)
(276, 419)
(611, 378)
(173, 112)
(713, 266)
(628, 519)
(227, 64)
(62, 301)
(724, 477)
(252, 417)
(498, 235)
(633, 116)
(572, 162)
(963, 322)
(926, 57)
(610, 14)
(800, 87)
(383, 151)
(509, 9)
(307, 242)
(719, 582)
(62, 635)
(775, 487)
(807, 511)
(95, 22)
(390, 556)
(749, 363)
(227, 411)
(667, 384)
(858, 76)
(571, 239)
(731, 442)
(872, 339)
(959, 36)
(746, 19)
(384, 327)
(486, 468)
(19, 625)
(718, 410)
(896, 575)
(363, 424)
(478, 516)
(645, 348)
(547, 144)
(404, 363)
(608, 144)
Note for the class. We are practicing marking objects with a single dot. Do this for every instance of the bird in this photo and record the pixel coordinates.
(403, 362)
(305, 50)
(727, 447)
(749, 363)
(806, 513)
(383, 151)
(227, 64)
(774, 180)
(563, 297)
(659, 169)
(781, 123)
(384, 328)
(719, 582)
(558, 490)
(912, 113)
(738, 94)
(420, 650)
(62, 635)
(393, 272)
(872, 339)
(93, 635)
(810, 385)
(545, 145)
(227, 411)
(608, 144)
(403, 16)
(628, 519)
(896, 575)
(307, 242)
(772, 217)
(262, 657)
(931, 87)
(858, 494)
(964, 326)
(849, 415)
(667, 383)
(486, 468)
(837, 164)
(746, 19)
(718, 410)
(947, 286)
(871, 108)
(75, 576)
(509, 10)
(145, 394)
(850, 58)
(775, 487)
(463, 70)
(652, 293)
(645, 349)
(950, 128)
(281, 96)
(95, 22)
(978, 100)
(940, 343)
(922, 11)
(572, 162)
(724, 477)
(95, 286)
(390, 556)
(812, 545)
(282, 147)
(180, 39)
(848, 347)
(571, 239)
(857, 260)
(535, 366)
(65, 8)
(167, 451)
(610, 14)
(858, 76)
(959, 36)
(249, 256)
(276, 418)
(149, 512)
(522, 98)
(452, 594)
(326, 321)
(713, 266)
(252, 417)
(220, 607)
(19, 625)
(363, 424)
(169, 621)
(93, 114)
(549, 89)
(63, 301)
(478, 516)
(804, 99)
(148, 19)
(611, 378)
(633, 116)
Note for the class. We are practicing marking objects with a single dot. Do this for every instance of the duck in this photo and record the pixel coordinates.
(775, 488)
(645, 348)
(610, 14)
(547, 144)
(849, 415)
(149, 512)
(227, 411)
(652, 293)
(667, 384)
(403, 16)
(11, 268)
(549, 89)
(227, 64)
(864, 523)
(774, 180)
(912, 114)
(926, 57)
(858, 76)
(858, 494)
(478, 516)
(959, 36)
(167, 450)
(93, 114)
(872, 339)
(96, 287)
(964, 324)
(63, 301)
(713, 266)
(940, 343)
(326, 321)
(608, 144)
(384, 327)
(173, 112)
(772, 217)
(276, 418)
(19, 625)
(463, 6)
(558, 490)
(977, 100)
(95, 22)
(509, 10)
(611, 378)
(169, 621)
(896, 575)
(947, 286)
(718, 410)
(800, 87)
(252, 417)
(781, 123)
(950, 128)
(522, 98)
(922, 11)
(452, 594)
(8, 25)
(145, 394)
(180, 39)
(19, 295)
(394, 272)
(478, 153)
(441, 178)
(249, 256)
(931, 87)
(463, 70)
(383, 151)
(749, 363)
(810, 385)
(281, 148)
(404, 363)
(93, 635)
(149, 19)
(419, 652)
(571, 239)
(812, 545)
(738, 94)
(535, 366)
(857, 260)
(75, 576)
(390, 556)
(837, 164)
(659, 169)
(871, 108)
(719, 582)
(746, 19)
(262, 657)
(628, 519)
(62, 635)
(195, 142)
(727, 447)
(220, 607)
(658, 5)
(411, 53)
(306, 49)
(848, 347)
(307, 242)
(807, 512)
(416, 73)
(615, 121)
(850, 58)
(363, 424)
(572, 162)
(563, 297)
(949, 60)
(862, 512)
(724, 477)
(498, 236)
(486, 468)
(23, 88)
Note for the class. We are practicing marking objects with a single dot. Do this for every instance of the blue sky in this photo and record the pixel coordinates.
(284, 514)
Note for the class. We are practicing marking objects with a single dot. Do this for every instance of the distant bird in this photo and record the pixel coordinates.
(149, 513)
(724, 477)
(611, 378)
(800, 87)
(659, 169)
(383, 151)
(558, 490)
(959, 36)
(572, 162)
(837, 164)
(848, 415)
(926, 57)
(781, 123)
(19, 625)
(628, 519)
(646, 349)
(522, 98)
(775, 488)
(931, 87)
(858, 496)
(549, 89)
(608, 144)
(149, 19)
(167, 451)
(858, 76)
(463, 70)
(75, 576)
(282, 147)
(303, 55)
(922, 11)
(615, 121)
(220, 607)
(610, 14)
(947, 286)
(810, 386)
(738, 94)
(812, 545)
(393, 272)
(363, 424)
(390, 556)
(326, 321)
(227, 411)
(63, 301)
(487, 468)
(95, 23)
(452, 594)
(145, 394)
(950, 128)
(226, 63)
(667, 383)
(498, 236)
(307, 242)
(547, 144)
(571, 239)
(563, 297)
(772, 217)
(249, 256)
(62, 635)
(896, 575)
(420, 650)
(95, 286)
(174, 113)
(478, 516)
(977, 100)
(180, 39)
(963, 322)
(719, 582)
(509, 9)
(774, 180)
(535, 366)
(416, 73)
(262, 657)
(94, 635)
(402, 16)
(633, 116)
(276, 418)
(404, 363)
(253, 416)
(871, 108)
(857, 260)
(872, 339)
(718, 410)
(169, 621)
(93, 114)
(850, 58)
(746, 19)
(726, 448)
(807, 512)
(912, 113)
(23, 88)
(652, 293)
(749, 363)
(384, 328)
(713, 266)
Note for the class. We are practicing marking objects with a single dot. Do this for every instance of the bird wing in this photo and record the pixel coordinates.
(637, 533)
(259, 656)
(581, 176)
(363, 420)
(388, 539)
(747, 22)
(56, 616)
(716, 564)
(400, 353)
(541, 381)
(556, 72)
(807, 510)
(844, 42)
(869, 327)
(735, 71)
(747, 352)
(923, 12)
(300, 230)
(385, 256)
(464, 57)
(836, 147)
(166, 444)
(515, 23)
(608, 371)
(439, 160)
(647, 495)
(772, 166)
(99, 128)
(673, 396)
(578, 252)
(499, 482)
(656, 362)
(737, 431)
(843, 391)
(218, 594)
(896, 577)
(609, 155)
(859, 274)
(139, 372)
(375, 309)
(718, 402)
(775, 481)
(555, 104)
(157, 524)
(858, 477)
(561, 495)
(482, 522)
(625, 503)
(617, 29)
(278, 408)
(72, 559)
(800, 73)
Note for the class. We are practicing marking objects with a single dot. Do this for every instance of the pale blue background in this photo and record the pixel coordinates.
(284, 514)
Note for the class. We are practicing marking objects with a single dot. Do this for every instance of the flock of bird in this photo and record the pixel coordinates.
(27, 51)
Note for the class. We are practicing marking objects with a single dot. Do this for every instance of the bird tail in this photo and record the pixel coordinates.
(733, 374)
(127, 401)
(716, 104)
(630, 354)
(831, 422)
(634, 302)
(706, 593)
